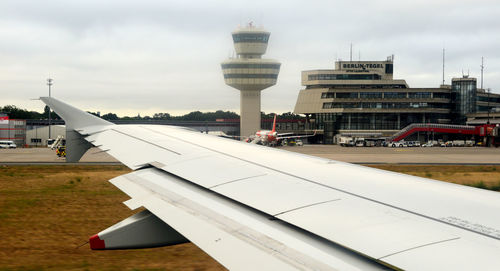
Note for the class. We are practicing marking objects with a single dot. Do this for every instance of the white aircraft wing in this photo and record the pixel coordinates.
(294, 136)
(284, 134)
(256, 208)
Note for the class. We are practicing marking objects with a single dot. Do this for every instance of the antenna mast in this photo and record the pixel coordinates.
(350, 58)
(443, 66)
(49, 83)
(482, 68)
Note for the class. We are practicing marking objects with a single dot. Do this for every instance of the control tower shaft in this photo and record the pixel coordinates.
(250, 74)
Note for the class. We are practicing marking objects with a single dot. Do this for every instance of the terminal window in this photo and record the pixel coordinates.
(420, 95)
(344, 77)
(326, 95)
(251, 37)
(347, 95)
(370, 95)
(251, 66)
(250, 75)
(395, 95)
(389, 68)
(440, 95)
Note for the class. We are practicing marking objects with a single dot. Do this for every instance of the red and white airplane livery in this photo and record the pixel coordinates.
(271, 137)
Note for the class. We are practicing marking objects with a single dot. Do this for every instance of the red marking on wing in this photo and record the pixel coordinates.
(96, 243)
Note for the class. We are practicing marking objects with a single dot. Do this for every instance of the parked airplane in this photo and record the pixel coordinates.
(254, 208)
(271, 137)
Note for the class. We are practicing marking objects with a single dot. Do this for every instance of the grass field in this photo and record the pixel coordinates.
(486, 177)
(47, 214)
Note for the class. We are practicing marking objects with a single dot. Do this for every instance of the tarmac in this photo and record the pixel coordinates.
(357, 155)
(48, 156)
(407, 155)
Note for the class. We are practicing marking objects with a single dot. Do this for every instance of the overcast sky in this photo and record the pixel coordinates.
(147, 56)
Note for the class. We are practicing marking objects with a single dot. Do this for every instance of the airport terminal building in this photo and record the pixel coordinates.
(361, 97)
(12, 130)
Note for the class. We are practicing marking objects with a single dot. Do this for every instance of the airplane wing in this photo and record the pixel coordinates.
(294, 136)
(286, 136)
(222, 134)
(256, 208)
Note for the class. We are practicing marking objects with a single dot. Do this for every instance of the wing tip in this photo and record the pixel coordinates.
(96, 243)
(75, 118)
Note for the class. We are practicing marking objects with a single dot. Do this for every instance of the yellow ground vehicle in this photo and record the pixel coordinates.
(61, 151)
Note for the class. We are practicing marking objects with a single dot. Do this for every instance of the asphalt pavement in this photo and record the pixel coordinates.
(358, 155)
(407, 155)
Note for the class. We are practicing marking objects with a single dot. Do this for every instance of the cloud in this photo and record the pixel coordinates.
(151, 56)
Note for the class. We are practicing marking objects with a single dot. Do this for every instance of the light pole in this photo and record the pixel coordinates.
(489, 89)
(49, 83)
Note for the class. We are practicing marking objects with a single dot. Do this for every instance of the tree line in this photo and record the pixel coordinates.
(17, 113)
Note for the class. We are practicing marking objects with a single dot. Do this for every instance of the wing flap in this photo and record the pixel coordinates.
(237, 236)
(141, 230)
(352, 222)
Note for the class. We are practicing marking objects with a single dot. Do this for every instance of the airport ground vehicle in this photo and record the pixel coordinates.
(7, 144)
(360, 142)
(404, 144)
(346, 141)
(416, 144)
(50, 141)
(56, 143)
(458, 143)
(446, 144)
(430, 143)
(61, 151)
(369, 143)
(399, 144)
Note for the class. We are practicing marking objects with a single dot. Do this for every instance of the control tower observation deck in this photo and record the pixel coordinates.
(250, 74)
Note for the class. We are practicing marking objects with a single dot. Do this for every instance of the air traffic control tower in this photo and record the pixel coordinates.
(250, 74)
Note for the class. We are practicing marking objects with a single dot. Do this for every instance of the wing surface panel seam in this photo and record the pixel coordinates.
(145, 141)
(305, 206)
(244, 233)
(327, 186)
(425, 245)
(240, 179)
(133, 178)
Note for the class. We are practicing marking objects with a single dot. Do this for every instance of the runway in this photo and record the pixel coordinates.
(62, 163)
(355, 155)
(403, 156)
(46, 155)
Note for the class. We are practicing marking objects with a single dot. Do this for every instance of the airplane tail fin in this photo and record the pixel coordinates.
(274, 124)
(75, 120)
